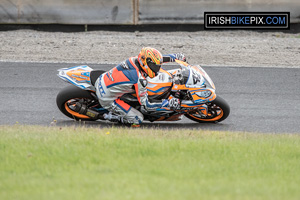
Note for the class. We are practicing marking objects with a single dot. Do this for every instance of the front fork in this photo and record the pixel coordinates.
(203, 109)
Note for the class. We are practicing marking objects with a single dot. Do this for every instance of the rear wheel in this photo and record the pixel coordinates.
(218, 110)
(69, 96)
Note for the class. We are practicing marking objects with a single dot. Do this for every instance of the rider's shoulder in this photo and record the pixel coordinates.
(132, 59)
(132, 63)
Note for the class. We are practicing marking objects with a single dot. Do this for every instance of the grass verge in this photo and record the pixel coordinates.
(89, 163)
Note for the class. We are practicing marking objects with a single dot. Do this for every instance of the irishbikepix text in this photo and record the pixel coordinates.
(246, 20)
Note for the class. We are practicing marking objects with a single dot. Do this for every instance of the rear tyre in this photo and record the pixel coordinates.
(218, 110)
(68, 96)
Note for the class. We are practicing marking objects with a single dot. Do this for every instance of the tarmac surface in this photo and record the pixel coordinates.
(264, 100)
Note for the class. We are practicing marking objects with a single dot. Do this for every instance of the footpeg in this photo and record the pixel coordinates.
(113, 118)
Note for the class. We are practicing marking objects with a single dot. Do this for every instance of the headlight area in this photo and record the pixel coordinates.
(203, 94)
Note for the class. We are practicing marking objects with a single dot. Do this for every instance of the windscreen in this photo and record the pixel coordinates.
(192, 78)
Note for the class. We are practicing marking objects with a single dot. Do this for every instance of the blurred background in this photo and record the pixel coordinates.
(131, 12)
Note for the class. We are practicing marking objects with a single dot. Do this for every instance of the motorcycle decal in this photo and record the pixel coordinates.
(179, 87)
(189, 105)
(194, 79)
(158, 91)
(78, 76)
(163, 109)
(73, 82)
(156, 86)
(160, 84)
(201, 95)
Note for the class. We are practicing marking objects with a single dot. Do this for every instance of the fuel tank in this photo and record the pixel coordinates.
(160, 86)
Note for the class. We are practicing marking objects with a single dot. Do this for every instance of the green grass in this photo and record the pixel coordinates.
(90, 163)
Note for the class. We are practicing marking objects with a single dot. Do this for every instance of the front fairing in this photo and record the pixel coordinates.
(197, 76)
(197, 83)
(208, 80)
(160, 86)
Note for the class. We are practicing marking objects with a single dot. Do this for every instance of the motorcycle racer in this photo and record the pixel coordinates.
(131, 77)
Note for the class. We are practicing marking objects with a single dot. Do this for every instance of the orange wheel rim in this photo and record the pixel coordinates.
(211, 119)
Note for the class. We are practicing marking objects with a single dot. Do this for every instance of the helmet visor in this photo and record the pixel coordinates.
(154, 67)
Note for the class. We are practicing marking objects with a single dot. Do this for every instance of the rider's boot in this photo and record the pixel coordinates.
(116, 118)
(111, 117)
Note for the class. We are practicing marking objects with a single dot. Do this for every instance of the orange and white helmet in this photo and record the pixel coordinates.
(150, 60)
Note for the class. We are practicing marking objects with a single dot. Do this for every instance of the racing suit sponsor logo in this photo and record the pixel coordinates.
(109, 75)
(123, 64)
(100, 87)
(143, 82)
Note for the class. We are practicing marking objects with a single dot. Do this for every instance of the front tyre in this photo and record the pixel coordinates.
(218, 110)
(68, 97)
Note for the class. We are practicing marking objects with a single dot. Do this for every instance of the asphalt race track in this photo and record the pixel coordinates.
(262, 99)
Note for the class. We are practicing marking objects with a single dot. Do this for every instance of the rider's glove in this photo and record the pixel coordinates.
(180, 56)
(173, 103)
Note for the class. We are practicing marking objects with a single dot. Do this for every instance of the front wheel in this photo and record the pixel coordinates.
(218, 110)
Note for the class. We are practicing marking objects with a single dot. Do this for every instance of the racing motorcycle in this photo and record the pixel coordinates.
(191, 84)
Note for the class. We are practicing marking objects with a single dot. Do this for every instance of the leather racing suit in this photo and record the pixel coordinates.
(127, 77)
